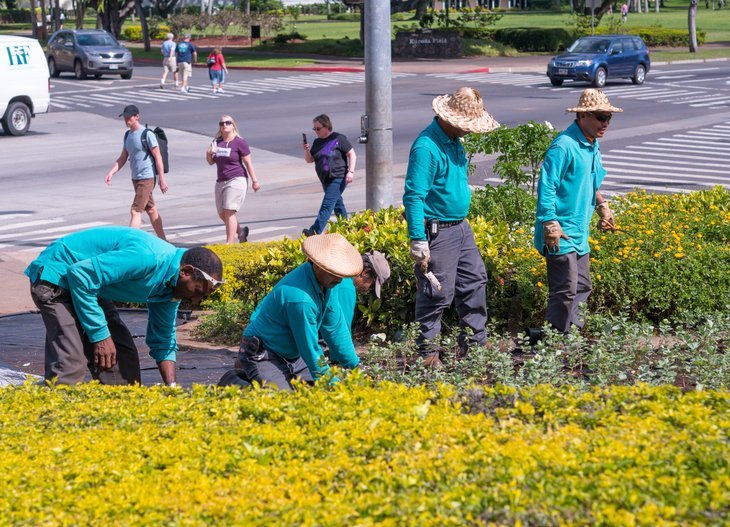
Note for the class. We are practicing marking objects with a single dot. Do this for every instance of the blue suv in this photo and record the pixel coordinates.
(594, 59)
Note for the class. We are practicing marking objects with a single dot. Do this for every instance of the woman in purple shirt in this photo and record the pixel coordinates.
(230, 152)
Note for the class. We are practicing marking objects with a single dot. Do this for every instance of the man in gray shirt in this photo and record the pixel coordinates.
(144, 173)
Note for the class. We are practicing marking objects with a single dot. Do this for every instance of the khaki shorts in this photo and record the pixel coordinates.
(229, 195)
(169, 64)
(143, 200)
(185, 70)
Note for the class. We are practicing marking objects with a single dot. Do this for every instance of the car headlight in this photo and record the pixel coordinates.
(95, 55)
(586, 62)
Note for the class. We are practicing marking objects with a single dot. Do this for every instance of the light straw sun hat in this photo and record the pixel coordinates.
(334, 254)
(465, 111)
(592, 100)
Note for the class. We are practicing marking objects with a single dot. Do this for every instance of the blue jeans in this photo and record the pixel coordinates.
(332, 200)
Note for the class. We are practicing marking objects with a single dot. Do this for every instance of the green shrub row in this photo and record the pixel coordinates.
(655, 36)
(534, 38)
(362, 453)
(14, 16)
(134, 33)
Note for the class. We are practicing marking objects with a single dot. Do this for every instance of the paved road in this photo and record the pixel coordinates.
(672, 138)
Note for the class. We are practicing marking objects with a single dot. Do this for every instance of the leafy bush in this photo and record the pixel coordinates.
(283, 38)
(345, 17)
(534, 38)
(14, 16)
(360, 453)
(157, 31)
(655, 269)
(655, 36)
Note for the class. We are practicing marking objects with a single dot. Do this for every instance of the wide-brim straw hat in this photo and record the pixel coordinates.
(334, 254)
(465, 111)
(592, 100)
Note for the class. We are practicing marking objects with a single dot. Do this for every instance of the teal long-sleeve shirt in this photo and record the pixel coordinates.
(119, 264)
(570, 177)
(289, 319)
(437, 184)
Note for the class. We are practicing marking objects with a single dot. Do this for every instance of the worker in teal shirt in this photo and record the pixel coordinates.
(75, 281)
(281, 341)
(567, 195)
(437, 197)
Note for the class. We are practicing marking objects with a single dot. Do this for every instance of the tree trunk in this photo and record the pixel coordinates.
(656, 5)
(44, 26)
(143, 22)
(34, 19)
(692, 23)
(646, 6)
(210, 7)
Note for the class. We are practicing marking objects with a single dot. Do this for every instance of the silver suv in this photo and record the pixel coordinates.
(87, 52)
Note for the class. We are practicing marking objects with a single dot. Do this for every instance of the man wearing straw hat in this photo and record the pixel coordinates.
(281, 341)
(437, 196)
(567, 195)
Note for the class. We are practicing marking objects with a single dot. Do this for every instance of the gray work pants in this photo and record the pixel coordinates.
(268, 368)
(68, 352)
(458, 265)
(569, 285)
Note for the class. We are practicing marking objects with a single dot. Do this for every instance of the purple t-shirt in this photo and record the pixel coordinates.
(229, 158)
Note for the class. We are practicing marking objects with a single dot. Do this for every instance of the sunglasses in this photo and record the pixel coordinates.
(602, 117)
(213, 282)
(222, 123)
(317, 129)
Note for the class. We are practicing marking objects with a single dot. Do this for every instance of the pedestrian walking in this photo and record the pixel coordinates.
(624, 12)
(169, 60)
(448, 266)
(187, 55)
(567, 195)
(75, 282)
(334, 161)
(232, 156)
(146, 165)
(217, 69)
(281, 342)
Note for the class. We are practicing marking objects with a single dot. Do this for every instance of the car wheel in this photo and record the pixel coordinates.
(52, 69)
(599, 81)
(639, 75)
(127, 75)
(556, 82)
(17, 119)
(79, 70)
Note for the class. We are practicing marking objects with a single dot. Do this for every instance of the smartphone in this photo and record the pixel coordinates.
(304, 138)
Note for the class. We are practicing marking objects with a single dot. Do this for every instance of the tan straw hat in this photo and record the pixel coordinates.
(334, 254)
(592, 100)
(465, 111)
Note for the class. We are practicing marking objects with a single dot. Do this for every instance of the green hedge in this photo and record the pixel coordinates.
(535, 38)
(15, 16)
(134, 33)
(363, 454)
(655, 36)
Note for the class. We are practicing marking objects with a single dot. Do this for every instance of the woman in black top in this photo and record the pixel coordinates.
(334, 160)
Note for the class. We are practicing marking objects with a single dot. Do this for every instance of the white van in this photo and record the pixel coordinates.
(24, 83)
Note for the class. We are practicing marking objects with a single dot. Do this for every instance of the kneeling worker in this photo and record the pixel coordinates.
(75, 280)
(281, 341)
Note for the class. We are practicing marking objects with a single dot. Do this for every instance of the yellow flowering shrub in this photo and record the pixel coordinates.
(359, 453)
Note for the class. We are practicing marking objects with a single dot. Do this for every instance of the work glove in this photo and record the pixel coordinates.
(553, 232)
(606, 223)
(421, 254)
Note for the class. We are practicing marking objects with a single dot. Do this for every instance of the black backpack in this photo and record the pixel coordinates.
(161, 143)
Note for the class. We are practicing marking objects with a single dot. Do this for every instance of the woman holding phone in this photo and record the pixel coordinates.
(232, 155)
(334, 161)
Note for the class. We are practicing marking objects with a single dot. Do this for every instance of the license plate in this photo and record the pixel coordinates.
(113, 66)
(562, 71)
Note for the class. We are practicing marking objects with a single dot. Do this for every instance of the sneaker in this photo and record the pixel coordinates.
(432, 362)
(308, 232)
(162, 85)
(243, 237)
(187, 89)
(215, 91)
(220, 90)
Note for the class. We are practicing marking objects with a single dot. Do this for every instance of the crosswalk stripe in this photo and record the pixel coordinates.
(32, 223)
(688, 141)
(639, 155)
(668, 167)
(52, 234)
(652, 151)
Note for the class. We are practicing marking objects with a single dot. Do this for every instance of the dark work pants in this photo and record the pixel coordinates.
(68, 352)
(332, 201)
(268, 368)
(569, 285)
(458, 265)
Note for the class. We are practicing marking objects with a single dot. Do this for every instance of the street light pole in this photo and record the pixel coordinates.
(378, 106)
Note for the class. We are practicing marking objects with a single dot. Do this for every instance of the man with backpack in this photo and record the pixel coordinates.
(142, 149)
(187, 55)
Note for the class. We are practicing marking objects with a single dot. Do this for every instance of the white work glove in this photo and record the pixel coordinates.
(607, 223)
(553, 232)
(421, 254)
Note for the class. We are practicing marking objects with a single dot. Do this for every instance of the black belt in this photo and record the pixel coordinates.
(446, 224)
